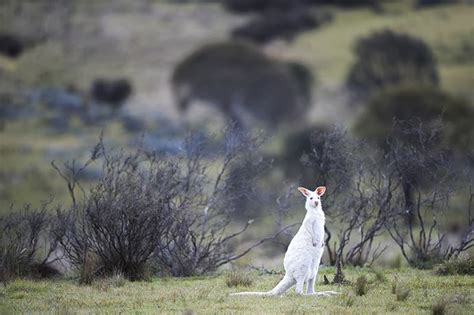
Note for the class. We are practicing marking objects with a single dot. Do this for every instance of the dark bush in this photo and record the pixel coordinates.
(361, 286)
(283, 24)
(248, 6)
(402, 293)
(25, 246)
(386, 58)
(10, 46)
(425, 3)
(112, 92)
(243, 83)
(417, 104)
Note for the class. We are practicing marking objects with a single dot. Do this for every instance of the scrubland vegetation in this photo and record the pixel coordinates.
(150, 152)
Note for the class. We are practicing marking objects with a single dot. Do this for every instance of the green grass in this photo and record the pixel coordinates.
(447, 29)
(26, 175)
(208, 295)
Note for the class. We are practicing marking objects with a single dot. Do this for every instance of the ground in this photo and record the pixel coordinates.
(210, 294)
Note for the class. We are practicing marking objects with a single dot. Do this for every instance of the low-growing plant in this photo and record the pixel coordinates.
(361, 286)
(438, 307)
(116, 280)
(23, 233)
(394, 286)
(379, 275)
(461, 265)
(348, 299)
(238, 278)
(402, 293)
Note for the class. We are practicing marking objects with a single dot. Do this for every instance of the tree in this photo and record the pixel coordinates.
(243, 83)
(281, 24)
(386, 58)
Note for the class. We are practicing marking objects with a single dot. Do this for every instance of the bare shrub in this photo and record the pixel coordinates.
(426, 172)
(361, 194)
(25, 245)
(172, 212)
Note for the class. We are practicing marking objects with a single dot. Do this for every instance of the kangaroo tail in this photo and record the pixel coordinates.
(280, 288)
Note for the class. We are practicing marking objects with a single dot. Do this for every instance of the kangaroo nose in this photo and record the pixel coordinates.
(315, 203)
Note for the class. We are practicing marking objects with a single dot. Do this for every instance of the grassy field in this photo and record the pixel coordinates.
(417, 291)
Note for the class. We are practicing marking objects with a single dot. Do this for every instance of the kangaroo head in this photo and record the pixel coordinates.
(313, 198)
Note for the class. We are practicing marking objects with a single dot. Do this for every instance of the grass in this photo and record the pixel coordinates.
(27, 148)
(207, 295)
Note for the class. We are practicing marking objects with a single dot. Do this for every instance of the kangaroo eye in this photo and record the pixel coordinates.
(311, 198)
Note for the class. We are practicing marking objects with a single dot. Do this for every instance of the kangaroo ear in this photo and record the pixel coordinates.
(304, 191)
(320, 190)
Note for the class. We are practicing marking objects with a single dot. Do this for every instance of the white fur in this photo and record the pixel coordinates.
(304, 253)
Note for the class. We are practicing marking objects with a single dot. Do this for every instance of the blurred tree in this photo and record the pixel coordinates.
(399, 118)
(425, 104)
(286, 24)
(386, 58)
(423, 3)
(243, 83)
(247, 6)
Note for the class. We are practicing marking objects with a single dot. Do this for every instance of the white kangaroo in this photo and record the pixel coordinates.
(305, 250)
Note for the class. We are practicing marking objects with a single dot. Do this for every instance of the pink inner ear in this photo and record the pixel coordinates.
(320, 190)
(303, 190)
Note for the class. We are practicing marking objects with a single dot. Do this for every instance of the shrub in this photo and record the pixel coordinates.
(149, 209)
(425, 3)
(243, 83)
(23, 233)
(361, 286)
(10, 46)
(284, 24)
(245, 6)
(379, 275)
(248, 6)
(461, 265)
(386, 59)
(234, 279)
(113, 92)
(402, 293)
(439, 306)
